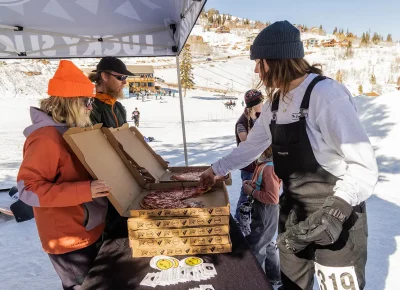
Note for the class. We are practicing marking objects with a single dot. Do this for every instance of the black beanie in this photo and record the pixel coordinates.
(280, 40)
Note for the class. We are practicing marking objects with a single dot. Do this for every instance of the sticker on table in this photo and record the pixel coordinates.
(191, 262)
(336, 278)
(163, 263)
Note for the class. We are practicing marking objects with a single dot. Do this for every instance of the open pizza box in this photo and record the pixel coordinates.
(131, 143)
(101, 159)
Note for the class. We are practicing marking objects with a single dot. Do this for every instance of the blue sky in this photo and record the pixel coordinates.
(382, 16)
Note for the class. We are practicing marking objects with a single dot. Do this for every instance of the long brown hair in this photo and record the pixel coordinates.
(71, 111)
(282, 72)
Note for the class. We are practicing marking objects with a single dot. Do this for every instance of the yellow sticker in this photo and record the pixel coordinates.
(176, 262)
(193, 261)
(164, 264)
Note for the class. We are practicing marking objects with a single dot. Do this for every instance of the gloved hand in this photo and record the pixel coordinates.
(322, 227)
(287, 241)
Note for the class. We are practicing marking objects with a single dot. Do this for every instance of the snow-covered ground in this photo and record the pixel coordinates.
(209, 128)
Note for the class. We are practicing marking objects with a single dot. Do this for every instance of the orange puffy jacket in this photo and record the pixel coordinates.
(53, 181)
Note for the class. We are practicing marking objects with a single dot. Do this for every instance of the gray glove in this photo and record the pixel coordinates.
(322, 227)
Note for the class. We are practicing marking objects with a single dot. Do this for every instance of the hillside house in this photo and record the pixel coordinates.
(329, 43)
(223, 29)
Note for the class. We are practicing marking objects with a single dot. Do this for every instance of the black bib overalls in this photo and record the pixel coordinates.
(306, 185)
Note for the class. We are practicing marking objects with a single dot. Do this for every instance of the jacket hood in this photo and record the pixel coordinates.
(39, 120)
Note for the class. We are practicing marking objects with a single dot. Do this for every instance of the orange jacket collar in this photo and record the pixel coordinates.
(105, 98)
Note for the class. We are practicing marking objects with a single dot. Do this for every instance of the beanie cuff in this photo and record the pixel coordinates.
(277, 51)
(253, 103)
(67, 89)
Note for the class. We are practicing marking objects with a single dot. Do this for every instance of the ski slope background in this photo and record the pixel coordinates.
(209, 128)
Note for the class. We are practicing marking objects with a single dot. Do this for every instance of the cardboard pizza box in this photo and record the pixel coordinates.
(179, 232)
(98, 155)
(178, 242)
(165, 223)
(130, 144)
(181, 250)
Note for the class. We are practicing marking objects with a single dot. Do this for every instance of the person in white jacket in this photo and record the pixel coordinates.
(324, 158)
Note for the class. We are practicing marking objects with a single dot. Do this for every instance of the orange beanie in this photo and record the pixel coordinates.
(69, 81)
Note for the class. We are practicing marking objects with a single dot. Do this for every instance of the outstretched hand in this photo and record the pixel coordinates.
(207, 178)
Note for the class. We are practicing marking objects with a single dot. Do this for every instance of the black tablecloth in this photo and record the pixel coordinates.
(114, 268)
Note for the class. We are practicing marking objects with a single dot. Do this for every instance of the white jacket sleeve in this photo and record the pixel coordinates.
(257, 141)
(344, 133)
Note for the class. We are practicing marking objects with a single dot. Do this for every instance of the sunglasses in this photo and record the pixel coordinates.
(120, 78)
(89, 102)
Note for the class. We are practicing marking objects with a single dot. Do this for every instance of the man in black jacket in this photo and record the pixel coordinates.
(109, 77)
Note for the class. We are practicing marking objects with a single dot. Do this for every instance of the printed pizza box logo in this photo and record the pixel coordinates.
(184, 222)
(217, 230)
(175, 232)
(192, 222)
(202, 241)
(210, 211)
(149, 224)
(219, 248)
(159, 242)
(149, 234)
(159, 212)
(184, 241)
(158, 224)
(192, 232)
(140, 235)
(184, 232)
(150, 213)
(209, 230)
(193, 211)
(141, 243)
(202, 231)
(150, 243)
(217, 220)
(175, 242)
(176, 212)
(202, 211)
(187, 251)
(140, 225)
(153, 252)
(175, 223)
(178, 251)
(167, 233)
(170, 251)
(200, 221)
(158, 233)
(210, 240)
(203, 250)
(162, 252)
(196, 250)
(142, 213)
(185, 212)
(145, 253)
(193, 241)
(166, 223)
(167, 242)
(212, 249)
(218, 240)
(167, 212)
(209, 221)
(218, 211)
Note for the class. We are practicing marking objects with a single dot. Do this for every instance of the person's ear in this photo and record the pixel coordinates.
(104, 76)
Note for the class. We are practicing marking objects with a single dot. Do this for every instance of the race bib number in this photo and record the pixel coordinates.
(336, 278)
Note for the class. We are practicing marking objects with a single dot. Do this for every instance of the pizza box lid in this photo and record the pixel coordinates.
(101, 159)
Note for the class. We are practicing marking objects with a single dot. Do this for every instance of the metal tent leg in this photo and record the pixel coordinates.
(182, 114)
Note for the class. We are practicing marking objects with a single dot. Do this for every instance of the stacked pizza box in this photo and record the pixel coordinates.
(127, 163)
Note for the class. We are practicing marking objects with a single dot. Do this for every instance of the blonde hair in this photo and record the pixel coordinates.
(71, 111)
(281, 72)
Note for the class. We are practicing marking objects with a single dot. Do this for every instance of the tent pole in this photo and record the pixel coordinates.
(182, 115)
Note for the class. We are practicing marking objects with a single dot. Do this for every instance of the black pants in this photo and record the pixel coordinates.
(73, 267)
(350, 249)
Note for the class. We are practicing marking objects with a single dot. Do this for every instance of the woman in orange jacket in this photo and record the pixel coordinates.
(69, 208)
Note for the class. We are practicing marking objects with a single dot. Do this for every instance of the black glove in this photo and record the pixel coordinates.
(287, 241)
(322, 227)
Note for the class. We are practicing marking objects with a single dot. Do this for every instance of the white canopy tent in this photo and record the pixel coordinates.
(97, 28)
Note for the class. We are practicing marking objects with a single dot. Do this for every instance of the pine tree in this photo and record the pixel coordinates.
(360, 89)
(349, 49)
(339, 76)
(186, 69)
(334, 31)
(364, 40)
(372, 79)
(368, 37)
(223, 19)
(229, 17)
(219, 20)
(347, 32)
